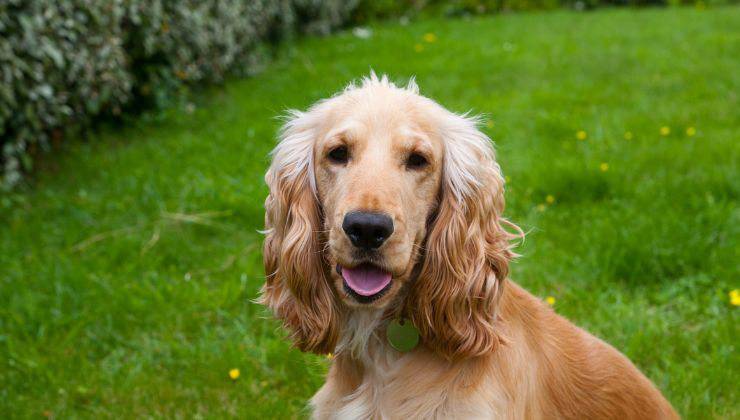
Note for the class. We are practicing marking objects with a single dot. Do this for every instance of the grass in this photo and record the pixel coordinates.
(127, 269)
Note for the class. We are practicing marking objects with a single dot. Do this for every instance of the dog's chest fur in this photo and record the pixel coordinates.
(370, 380)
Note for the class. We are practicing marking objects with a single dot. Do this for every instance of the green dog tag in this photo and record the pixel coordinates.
(402, 335)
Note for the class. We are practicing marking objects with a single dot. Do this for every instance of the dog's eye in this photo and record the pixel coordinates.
(416, 161)
(339, 154)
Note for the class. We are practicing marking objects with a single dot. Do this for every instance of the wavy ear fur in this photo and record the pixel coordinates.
(297, 287)
(454, 300)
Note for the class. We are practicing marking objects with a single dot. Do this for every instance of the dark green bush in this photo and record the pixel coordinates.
(381, 9)
(371, 9)
(65, 62)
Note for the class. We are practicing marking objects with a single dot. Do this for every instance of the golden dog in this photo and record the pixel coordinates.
(384, 206)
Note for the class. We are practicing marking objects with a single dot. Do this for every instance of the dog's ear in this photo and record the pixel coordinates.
(454, 300)
(297, 287)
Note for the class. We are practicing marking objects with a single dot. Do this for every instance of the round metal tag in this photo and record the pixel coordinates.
(402, 335)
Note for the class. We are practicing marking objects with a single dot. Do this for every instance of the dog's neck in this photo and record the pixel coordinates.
(363, 336)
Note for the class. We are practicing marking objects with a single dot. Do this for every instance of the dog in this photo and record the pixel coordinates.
(385, 208)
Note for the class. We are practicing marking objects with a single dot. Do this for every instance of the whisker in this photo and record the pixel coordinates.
(419, 247)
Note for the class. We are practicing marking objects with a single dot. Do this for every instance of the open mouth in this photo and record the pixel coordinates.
(366, 282)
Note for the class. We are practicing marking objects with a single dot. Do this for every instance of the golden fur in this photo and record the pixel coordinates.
(488, 348)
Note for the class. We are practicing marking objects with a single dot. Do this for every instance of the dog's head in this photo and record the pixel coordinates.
(380, 198)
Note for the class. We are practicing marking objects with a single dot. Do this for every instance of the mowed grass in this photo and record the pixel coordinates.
(128, 268)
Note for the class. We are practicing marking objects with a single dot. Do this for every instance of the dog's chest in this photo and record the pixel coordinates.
(372, 398)
(394, 388)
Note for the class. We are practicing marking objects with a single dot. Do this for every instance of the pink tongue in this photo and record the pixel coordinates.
(366, 280)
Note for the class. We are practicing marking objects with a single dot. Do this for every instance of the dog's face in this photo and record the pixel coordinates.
(382, 199)
(378, 171)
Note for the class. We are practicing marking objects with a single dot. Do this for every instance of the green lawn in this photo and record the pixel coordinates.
(128, 268)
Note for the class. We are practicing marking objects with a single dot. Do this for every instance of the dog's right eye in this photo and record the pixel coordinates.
(339, 154)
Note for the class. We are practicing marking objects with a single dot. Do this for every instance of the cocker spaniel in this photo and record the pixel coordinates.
(386, 246)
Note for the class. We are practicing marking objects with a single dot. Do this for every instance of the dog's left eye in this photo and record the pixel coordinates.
(339, 154)
(416, 161)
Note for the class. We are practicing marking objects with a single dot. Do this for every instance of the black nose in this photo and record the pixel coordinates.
(367, 230)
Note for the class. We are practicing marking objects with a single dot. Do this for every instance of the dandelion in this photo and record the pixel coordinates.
(330, 356)
(418, 48)
(540, 208)
(690, 131)
(362, 33)
(234, 374)
(430, 37)
(628, 135)
(735, 297)
(550, 300)
(604, 167)
(665, 130)
(581, 135)
(549, 199)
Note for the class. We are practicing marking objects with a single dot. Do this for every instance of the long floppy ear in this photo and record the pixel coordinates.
(461, 281)
(297, 288)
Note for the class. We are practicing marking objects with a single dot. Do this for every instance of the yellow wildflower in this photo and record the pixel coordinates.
(550, 199)
(330, 356)
(418, 48)
(581, 135)
(604, 167)
(540, 207)
(690, 131)
(430, 37)
(628, 135)
(735, 297)
(234, 374)
(550, 300)
(665, 130)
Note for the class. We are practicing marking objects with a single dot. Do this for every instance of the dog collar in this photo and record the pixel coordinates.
(402, 335)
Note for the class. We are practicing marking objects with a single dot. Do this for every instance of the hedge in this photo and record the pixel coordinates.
(64, 63)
